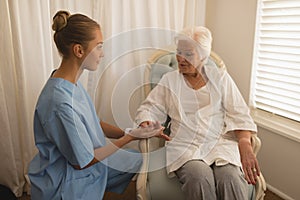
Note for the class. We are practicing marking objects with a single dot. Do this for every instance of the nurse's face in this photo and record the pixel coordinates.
(94, 52)
(187, 57)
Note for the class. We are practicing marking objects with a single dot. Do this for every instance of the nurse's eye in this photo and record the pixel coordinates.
(100, 46)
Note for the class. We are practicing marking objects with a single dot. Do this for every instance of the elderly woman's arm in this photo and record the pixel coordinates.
(248, 158)
(238, 119)
(153, 107)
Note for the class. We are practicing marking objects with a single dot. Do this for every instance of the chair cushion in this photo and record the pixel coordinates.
(160, 186)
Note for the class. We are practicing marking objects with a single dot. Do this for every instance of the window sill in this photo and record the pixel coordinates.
(280, 125)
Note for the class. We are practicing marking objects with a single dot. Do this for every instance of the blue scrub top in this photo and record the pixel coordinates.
(66, 130)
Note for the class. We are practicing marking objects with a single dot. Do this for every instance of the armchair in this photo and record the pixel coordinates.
(156, 185)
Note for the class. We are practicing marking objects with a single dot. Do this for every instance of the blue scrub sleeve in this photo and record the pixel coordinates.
(68, 132)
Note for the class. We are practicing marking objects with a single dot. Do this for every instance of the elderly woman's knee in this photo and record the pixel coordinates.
(228, 174)
(195, 173)
(229, 178)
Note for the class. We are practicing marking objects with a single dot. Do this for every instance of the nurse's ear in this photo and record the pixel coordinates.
(78, 50)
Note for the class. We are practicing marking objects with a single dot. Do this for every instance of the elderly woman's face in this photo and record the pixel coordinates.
(188, 57)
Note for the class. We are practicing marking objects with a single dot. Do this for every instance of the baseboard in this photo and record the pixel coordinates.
(278, 192)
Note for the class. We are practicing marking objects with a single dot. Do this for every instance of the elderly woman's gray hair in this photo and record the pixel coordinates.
(200, 35)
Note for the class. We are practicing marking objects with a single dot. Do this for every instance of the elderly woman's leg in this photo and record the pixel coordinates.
(230, 182)
(197, 180)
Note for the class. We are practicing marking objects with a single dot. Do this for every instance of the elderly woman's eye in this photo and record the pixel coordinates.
(189, 54)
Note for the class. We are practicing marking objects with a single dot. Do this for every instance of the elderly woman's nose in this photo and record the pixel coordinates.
(180, 58)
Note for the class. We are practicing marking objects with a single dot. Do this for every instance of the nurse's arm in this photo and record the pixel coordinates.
(111, 147)
(111, 131)
(105, 151)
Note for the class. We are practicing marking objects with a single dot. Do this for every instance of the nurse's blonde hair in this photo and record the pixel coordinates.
(72, 29)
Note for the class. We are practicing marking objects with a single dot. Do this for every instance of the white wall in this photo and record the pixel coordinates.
(280, 160)
(232, 23)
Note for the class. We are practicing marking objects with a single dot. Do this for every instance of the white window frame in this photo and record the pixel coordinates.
(263, 117)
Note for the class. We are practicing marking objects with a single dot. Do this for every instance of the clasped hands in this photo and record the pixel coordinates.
(149, 129)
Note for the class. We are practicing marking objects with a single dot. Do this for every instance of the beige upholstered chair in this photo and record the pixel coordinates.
(155, 185)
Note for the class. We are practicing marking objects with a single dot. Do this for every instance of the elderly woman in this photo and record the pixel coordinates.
(210, 151)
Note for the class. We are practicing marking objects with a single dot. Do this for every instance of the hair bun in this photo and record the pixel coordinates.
(60, 20)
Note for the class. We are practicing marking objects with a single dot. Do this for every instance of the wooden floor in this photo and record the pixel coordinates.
(130, 192)
(271, 196)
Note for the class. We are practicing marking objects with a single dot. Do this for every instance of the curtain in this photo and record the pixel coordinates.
(132, 30)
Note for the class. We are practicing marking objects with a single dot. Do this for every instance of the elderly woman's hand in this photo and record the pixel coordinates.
(159, 134)
(248, 158)
(249, 161)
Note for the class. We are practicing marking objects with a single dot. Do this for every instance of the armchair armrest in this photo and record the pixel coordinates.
(141, 182)
(256, 143)
(260, 186)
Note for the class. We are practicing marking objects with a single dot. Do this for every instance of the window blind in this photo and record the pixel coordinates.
(277, 58)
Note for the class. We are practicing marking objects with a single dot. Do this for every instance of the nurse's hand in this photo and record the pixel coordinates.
(147, 131)
(160, 134)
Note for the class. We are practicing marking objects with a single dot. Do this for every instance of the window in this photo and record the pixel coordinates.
(276, 61)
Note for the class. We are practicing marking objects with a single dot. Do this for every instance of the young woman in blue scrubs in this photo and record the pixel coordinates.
(74, 161)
